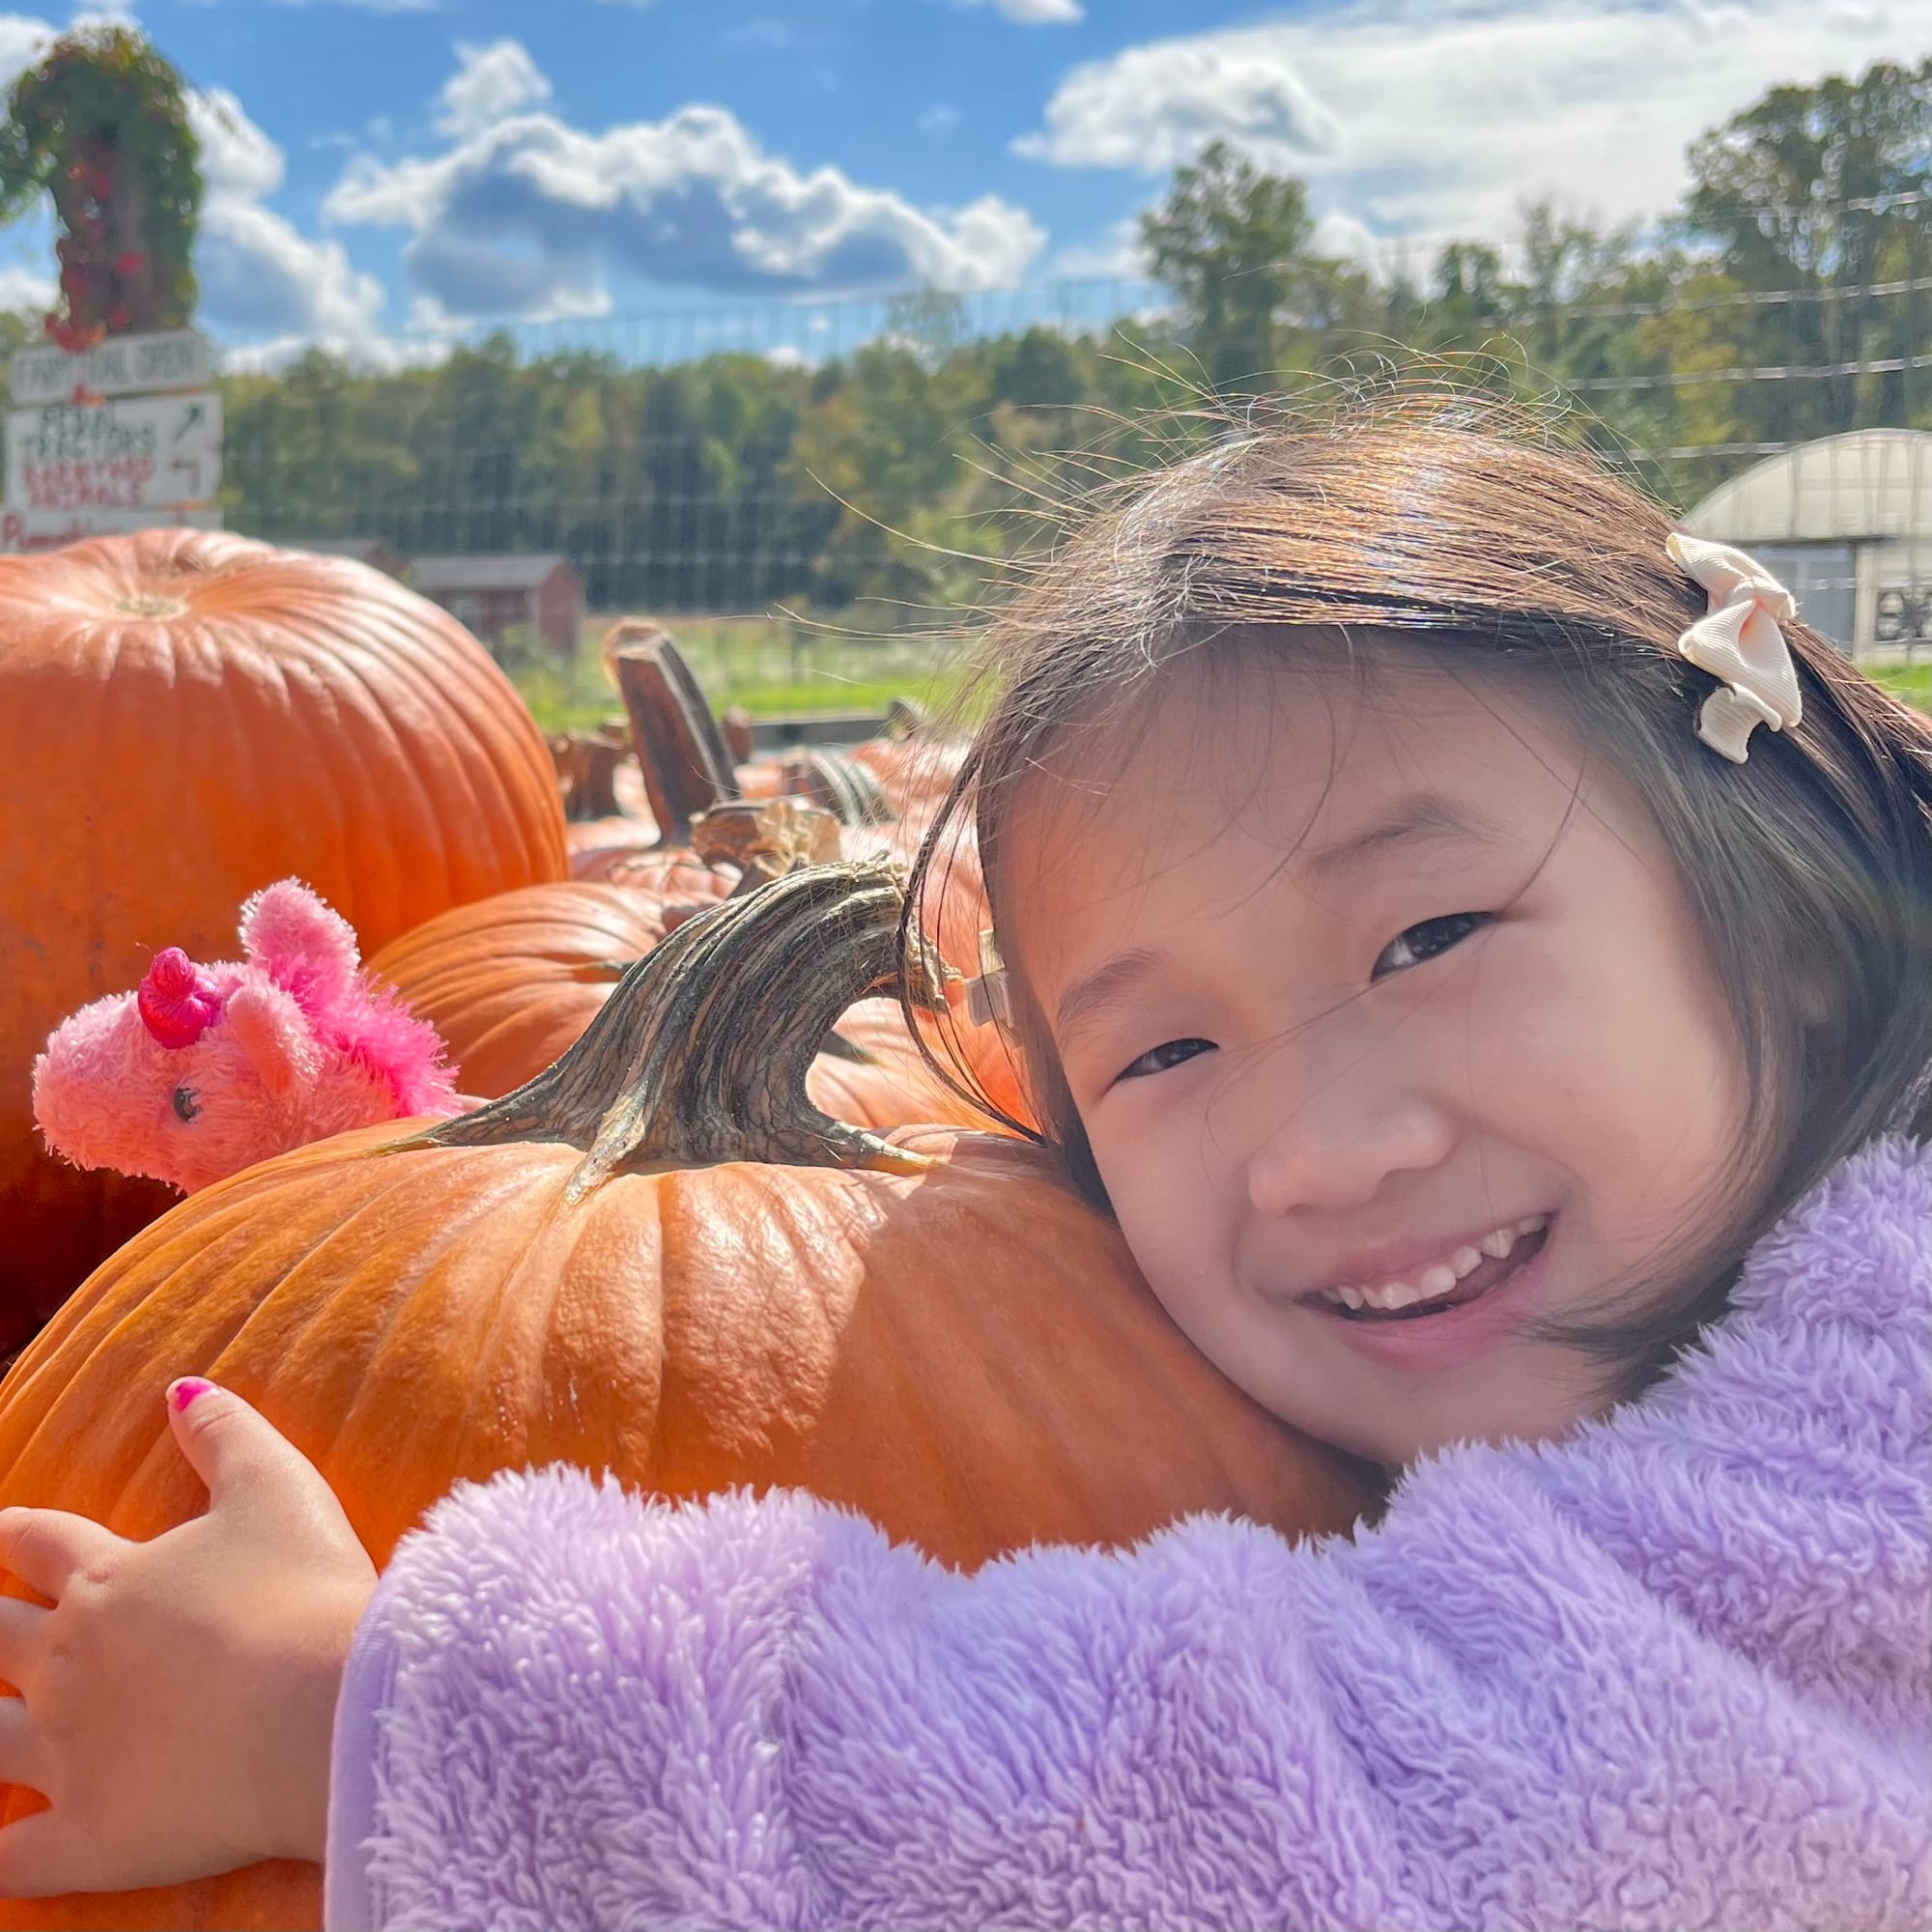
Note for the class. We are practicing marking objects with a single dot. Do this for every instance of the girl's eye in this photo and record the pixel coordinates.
(1425, 940)
(1168, 1053)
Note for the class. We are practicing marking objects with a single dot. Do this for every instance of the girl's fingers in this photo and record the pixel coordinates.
(45, 1547)
(40, 1855)
(242, 1456)
(20, 1628)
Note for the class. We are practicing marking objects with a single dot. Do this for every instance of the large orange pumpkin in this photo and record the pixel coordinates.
(657, 1257)
(872, 1073)
(186, 716)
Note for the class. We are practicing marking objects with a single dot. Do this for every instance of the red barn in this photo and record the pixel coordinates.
(490, 595)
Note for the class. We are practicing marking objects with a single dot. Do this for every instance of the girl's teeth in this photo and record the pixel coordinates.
(1438, 1277)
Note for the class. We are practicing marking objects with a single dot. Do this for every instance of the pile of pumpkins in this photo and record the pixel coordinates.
(718, 1222)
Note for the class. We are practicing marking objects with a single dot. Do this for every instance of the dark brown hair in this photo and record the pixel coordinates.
(1807, 868)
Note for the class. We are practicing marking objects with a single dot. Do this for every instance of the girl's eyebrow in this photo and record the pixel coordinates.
(1422, 817)
(1088, 997)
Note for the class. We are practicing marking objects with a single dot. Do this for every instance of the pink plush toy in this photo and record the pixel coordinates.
(207, 1070)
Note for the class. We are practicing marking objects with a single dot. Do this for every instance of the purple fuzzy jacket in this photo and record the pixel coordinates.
(1669, 1672)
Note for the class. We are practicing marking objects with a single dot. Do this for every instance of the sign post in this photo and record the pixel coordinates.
(122, 437)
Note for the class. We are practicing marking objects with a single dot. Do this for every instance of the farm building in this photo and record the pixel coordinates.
(378, 553)
(1846, 524)
(491, 595)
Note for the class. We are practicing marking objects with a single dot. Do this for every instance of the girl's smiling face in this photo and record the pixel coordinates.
(1375, 990)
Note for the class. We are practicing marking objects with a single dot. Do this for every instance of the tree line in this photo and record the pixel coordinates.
(1790, 296)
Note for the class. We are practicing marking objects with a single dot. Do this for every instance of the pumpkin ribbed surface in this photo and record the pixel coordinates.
(658, 1258)
(185, 716)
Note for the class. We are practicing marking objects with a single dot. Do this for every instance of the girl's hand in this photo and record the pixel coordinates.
(175, 1702)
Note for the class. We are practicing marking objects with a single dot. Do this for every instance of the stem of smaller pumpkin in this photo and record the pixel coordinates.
(686, 766)
(586, 768)
(700, 1053)
(765, 838)
(841, 786)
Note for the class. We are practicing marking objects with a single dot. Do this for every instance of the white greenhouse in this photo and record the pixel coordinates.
(1846, 523)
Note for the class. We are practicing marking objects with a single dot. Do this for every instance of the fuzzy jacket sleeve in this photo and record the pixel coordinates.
(1670, 1672)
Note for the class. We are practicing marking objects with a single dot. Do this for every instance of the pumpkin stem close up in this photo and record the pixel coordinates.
(700, 1053)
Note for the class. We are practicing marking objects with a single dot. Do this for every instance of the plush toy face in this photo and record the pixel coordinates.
(108, 1093)
(207, 1070)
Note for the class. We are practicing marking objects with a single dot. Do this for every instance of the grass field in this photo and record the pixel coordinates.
(1912, 682)
(769, 664)
(766, 665)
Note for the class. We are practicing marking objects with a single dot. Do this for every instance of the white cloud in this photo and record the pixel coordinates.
(1036, 12)
(1153, 107)
(384, 354)
(527, 212)
(239, 162)
(24, 288)
(103, 13)
(489, 85)
(938, 121)
(1346, 238)
(1424, 119)
(258, 272)
(22, 42)
(1115, 257)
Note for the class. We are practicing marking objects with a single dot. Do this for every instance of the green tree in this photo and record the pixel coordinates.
(1817, 196)
(1236, 245)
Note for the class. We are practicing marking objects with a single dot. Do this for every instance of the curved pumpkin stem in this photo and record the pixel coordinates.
(841, 786)
(700, 1053)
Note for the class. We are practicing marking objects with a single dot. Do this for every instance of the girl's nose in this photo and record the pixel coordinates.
(1340, 1154)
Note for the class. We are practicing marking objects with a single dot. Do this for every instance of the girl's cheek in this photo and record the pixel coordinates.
(1152, 1170)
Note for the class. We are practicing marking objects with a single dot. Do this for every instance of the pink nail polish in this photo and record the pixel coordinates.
(182, 1392)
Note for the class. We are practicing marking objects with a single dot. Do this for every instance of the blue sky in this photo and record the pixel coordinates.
(383, 173)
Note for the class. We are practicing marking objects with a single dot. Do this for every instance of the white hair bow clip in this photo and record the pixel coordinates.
(1740, 644)
(987, 997)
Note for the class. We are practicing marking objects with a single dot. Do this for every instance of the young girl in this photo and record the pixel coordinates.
(1476, 943)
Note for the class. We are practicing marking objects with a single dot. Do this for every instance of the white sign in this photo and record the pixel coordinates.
(124, 365)
(49, 529)
(148, 453)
